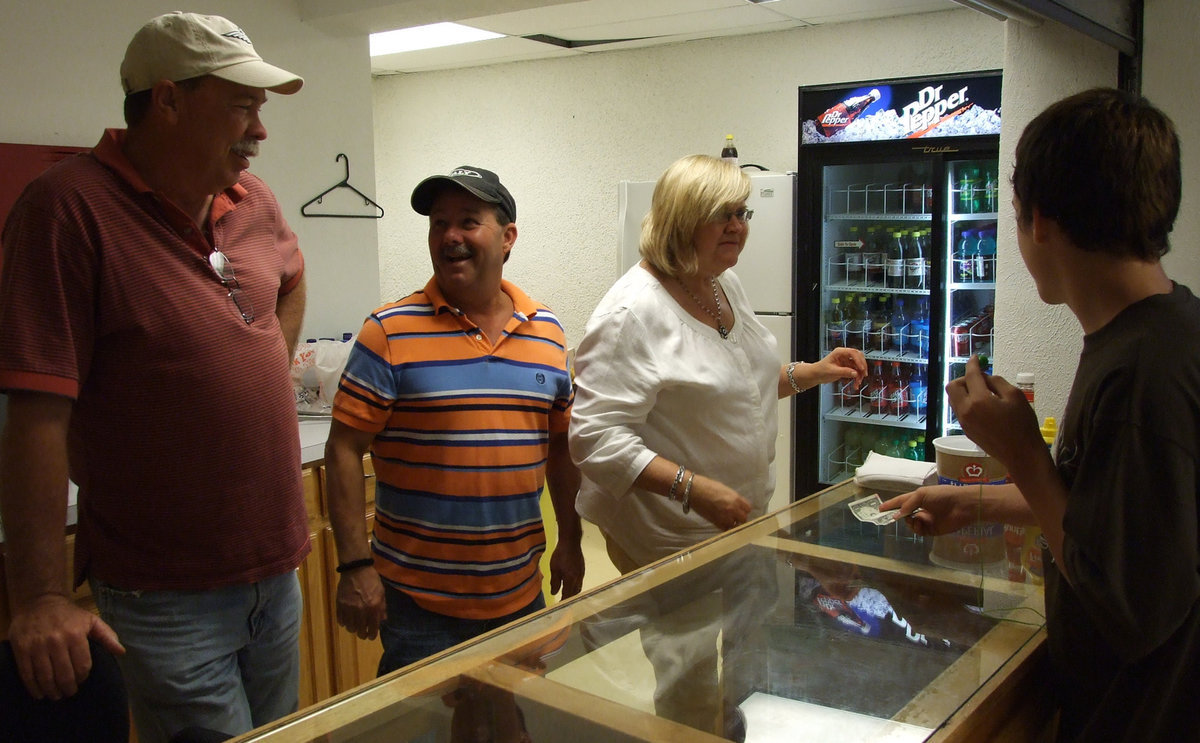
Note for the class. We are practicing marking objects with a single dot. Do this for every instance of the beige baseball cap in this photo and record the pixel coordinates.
(178, 46)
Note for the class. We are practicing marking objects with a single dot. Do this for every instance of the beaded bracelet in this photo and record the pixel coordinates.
(678, 481)
(792, 380)
(355, 564)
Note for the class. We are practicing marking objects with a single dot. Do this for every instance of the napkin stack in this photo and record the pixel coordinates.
(882, 472)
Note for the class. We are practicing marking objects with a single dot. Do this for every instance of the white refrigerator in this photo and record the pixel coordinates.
(765, 269)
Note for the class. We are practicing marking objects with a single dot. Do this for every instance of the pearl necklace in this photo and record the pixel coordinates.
(724, 331)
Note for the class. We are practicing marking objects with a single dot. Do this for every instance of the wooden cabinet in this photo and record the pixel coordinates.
(313, 502)
(316, 671)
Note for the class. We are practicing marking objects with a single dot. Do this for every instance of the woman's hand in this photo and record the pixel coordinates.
(842, 363)
(718, 503)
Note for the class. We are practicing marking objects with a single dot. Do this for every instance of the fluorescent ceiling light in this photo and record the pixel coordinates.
(426, 37)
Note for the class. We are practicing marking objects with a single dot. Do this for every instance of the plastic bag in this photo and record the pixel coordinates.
(316, 370)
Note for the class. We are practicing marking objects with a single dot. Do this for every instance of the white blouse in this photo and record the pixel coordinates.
(653, 380)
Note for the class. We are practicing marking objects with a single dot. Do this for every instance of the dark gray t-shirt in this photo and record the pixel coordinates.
(1124, 637)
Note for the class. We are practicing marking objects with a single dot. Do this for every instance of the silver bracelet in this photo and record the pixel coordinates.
(791, 379)
(678, 481)
(687, 493)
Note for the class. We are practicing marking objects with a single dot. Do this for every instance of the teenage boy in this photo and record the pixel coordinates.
(1096, 188)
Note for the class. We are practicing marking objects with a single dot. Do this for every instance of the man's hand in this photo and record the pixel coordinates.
(996, 416)
(566, 568)
(360, 602)
(944, 508)
(50, 644)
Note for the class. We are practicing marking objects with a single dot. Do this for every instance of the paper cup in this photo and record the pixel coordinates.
(981, 545)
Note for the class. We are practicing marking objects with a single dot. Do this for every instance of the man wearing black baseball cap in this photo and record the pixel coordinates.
(180, 284)
(462, 394)
(483, 184)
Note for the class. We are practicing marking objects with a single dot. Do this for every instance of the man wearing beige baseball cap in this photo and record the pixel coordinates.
(153, 296)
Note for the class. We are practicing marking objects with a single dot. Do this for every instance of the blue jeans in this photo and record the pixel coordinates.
(410, 633)
(227, 660)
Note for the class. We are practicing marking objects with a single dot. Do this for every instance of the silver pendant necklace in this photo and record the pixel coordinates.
(712, 281)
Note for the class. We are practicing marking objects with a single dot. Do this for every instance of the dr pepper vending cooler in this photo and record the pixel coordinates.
(896, 256)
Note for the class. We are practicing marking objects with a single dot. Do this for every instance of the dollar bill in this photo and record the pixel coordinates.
(867, 510)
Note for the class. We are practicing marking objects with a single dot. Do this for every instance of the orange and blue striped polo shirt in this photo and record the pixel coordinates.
(462, 436)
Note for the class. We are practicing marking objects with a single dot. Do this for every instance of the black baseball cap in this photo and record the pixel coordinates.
(482, 183)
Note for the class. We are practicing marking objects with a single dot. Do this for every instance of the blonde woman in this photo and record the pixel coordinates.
(675, 413)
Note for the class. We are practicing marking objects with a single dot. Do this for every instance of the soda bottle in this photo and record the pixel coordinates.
(729, 151)
(989, 192)
(841, 114)
(846, 395)
(967, 180)
(850, 395)
(1025, 384)
(877, 333)
(985, 262)
(899, 323)
(864, 322)
(914, 261)
(911, 452)
(894, 264)
(918, 394)
(854, 327)
(921, 447)
(918, 333)
(896, 392)
(873, 253)
(964, 263)
(873, 392)
(835, 324)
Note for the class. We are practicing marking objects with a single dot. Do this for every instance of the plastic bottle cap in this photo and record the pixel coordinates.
(1025, 378)
(1049, 431)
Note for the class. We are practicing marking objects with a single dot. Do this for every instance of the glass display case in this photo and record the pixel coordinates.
(806, 624)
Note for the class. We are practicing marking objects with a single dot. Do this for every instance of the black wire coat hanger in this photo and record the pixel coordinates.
(345, 183)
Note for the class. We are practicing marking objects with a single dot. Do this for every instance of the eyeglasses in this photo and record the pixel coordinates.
(222, 267)
(742, 215)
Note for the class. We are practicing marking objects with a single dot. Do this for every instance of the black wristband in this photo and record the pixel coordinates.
(355, 564)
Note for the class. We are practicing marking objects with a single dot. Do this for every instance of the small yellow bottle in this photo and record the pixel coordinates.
(1049, 431)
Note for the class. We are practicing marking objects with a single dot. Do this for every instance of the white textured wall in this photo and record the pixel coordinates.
(1170, 78)
(59, 82)
(562, 133)
(1041, 65)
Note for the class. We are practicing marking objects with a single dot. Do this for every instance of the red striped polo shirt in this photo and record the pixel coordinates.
(183, 436)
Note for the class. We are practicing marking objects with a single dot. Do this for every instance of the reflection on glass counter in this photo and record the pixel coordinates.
(805, 625)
